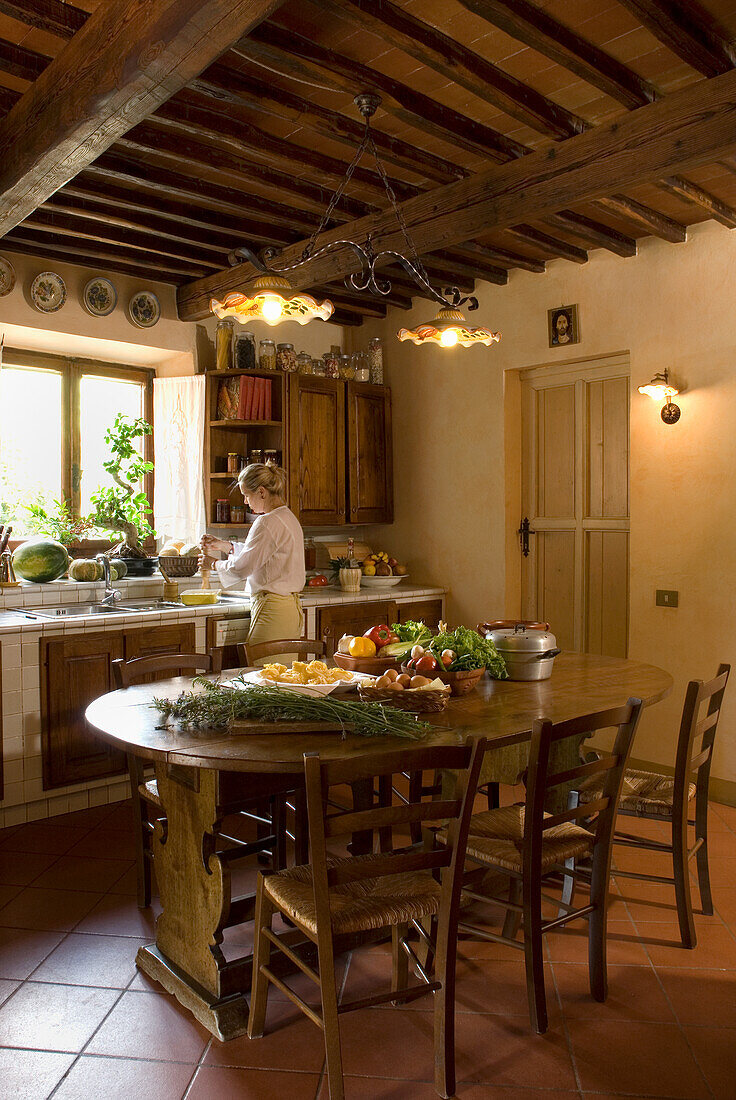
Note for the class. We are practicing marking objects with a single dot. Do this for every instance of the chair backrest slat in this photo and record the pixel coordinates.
(697, 736)
(356, 821)
(389, 762)
(586, 809)
(593, 767)
(130, 672)
(696, 761)
(248, 653)
(390, 863)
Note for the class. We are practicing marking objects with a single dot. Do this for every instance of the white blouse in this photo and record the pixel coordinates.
(271, 559)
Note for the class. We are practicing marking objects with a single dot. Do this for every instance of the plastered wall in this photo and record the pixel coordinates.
(456, 458)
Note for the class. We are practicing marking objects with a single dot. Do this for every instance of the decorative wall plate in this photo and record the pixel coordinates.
(99, 297)
(144, 309)
(7, 276)
(48, 292)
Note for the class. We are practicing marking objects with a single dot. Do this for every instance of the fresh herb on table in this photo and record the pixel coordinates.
(409, 634)
(470, 649)
(218, 707)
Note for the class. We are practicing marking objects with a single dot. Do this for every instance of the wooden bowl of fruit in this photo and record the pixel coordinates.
(424, 663)
(371, 666)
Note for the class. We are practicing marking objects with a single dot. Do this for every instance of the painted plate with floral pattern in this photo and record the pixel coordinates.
(7, 276)
(144, 309)
(99, 297)
(48, 292)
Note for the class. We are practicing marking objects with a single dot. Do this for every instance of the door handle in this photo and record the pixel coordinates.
(524, 532)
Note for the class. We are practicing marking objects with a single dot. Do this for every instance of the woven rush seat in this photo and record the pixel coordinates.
(356, 906)
(149, 791)
(642, 792)
(497, 836)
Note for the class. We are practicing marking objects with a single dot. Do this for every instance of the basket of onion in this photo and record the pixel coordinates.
(418, 694)
(424, 663)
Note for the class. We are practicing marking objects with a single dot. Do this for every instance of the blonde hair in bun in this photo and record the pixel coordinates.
(261, 476)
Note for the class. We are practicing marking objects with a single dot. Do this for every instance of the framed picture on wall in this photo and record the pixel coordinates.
(562, 326)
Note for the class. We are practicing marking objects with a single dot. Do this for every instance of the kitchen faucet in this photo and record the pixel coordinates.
(111, 594)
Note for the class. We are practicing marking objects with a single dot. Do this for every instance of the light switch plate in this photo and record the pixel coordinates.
(666, 597)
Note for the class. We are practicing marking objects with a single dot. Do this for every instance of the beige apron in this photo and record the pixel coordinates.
(273, 617)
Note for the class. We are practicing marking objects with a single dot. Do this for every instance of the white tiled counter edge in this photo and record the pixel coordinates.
(24, 797)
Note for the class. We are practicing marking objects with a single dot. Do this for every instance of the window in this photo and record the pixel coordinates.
(53, 417)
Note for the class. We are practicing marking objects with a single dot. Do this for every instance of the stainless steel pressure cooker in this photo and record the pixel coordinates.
(528, 653)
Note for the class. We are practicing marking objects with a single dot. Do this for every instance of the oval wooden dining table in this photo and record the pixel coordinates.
(199, 772)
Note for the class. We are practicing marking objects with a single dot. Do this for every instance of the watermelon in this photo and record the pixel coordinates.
(85, 569)
(40, 560)
(120, 567)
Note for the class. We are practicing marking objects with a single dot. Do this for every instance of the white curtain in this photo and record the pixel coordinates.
(178, 440)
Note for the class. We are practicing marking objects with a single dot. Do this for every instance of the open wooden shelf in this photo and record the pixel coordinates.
(240, 424)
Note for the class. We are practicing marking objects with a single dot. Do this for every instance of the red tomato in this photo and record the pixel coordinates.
(427, 663)
(317, 581)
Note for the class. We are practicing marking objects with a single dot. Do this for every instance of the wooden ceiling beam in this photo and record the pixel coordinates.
(535, 28)
(473, 269)
(684, 189)
(53, 16)
(693, 126)
(354, 298)
(21, 62)
(292, 55)
(659, 225)
(64, 248)
(462, 66)
(123, 63)
(592, 233)
(17, 243)
(689, 31)
(561, 250)
(501, 256)
(227, 85)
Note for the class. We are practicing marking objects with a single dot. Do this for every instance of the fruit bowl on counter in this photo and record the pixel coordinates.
(381, 582)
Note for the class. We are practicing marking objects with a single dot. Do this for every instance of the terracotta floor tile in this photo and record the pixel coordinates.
(22, 949)
(106, 961)
(703, 997)
(649, 901)
(641, 1059)
(726, 814)
(290, 1042)
(53, 1017)
(118, 915)
(716, 946)
(227, 1082)
(111, 1078)
(634, 993)
(722, 871)
(94, 875)
(150, 1025)
(571, 944)
(53, 910)
(7, 893)
(119, 815)
(6, 988)
(20, 870)
(374, 1088)
(128, 883)
(88, 818)
(715, 1052)
(724, 903)
(31, 1074)
(105, 843)
(44, 839)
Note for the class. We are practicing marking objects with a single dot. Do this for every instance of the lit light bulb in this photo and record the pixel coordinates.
(448, 339)
(272, 308)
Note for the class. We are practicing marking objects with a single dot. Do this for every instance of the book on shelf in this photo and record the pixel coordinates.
(228, 399)
(244, 398)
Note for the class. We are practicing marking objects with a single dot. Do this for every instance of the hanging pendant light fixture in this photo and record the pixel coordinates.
(271, 298)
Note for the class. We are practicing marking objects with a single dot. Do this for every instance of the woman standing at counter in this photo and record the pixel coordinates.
(271, 560)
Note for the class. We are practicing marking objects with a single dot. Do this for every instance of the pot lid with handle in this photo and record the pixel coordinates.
(522, 640)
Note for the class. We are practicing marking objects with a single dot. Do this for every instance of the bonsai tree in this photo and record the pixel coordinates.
(122, 508)
(57, 521)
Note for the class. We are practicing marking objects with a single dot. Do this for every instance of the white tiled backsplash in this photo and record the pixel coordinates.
(56, 592)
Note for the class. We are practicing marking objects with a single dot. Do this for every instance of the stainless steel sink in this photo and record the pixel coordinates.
(146, 605)
(72, 610)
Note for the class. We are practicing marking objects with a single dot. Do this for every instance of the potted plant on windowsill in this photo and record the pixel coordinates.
(121, 508)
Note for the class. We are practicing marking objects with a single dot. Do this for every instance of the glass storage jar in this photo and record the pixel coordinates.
(222, 510)
(224, 345)
(271, 458)
(245, 351)
(332, 365)
(346, 368)
(362, 372)
(286, 358)
(310, 554)
(233, 462)
(255, 457)
(318, 368)
(304, 362)
(267, 355)
(237, 513)
(375, 360)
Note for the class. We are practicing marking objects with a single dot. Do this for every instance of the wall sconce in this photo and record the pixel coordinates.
(660, 389)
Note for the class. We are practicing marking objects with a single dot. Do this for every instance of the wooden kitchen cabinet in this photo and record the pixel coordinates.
(76, 669)
(334, 621)
(426, 611)
(369, 454)
(316, 460)
(155, 640)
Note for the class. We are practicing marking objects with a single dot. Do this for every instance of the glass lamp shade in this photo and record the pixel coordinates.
(271, 298)
(659, 389)
(447, 329)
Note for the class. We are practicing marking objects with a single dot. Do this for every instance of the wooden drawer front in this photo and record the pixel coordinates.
(370, 464)
(153, 641)
(74, 671)
(333, 622)
(317, 450)
(425, 611)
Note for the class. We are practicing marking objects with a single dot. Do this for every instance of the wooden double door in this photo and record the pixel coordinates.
(575, 498)
(340, 452)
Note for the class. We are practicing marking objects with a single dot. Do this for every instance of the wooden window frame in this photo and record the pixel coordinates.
(72, 368)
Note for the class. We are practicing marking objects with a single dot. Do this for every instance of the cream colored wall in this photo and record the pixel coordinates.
(671, 306)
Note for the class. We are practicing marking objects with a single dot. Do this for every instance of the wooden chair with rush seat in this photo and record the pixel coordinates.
(528, 844)
(333, 899)
(657, 797)
(147, 805)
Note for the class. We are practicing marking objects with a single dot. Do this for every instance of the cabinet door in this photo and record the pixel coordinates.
(154, 641)
(333, 622)
(74, 671)
(370, 454)
(425, 611)
(316, 459)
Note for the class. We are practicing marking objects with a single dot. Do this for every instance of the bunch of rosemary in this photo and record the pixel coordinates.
(218, 707)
